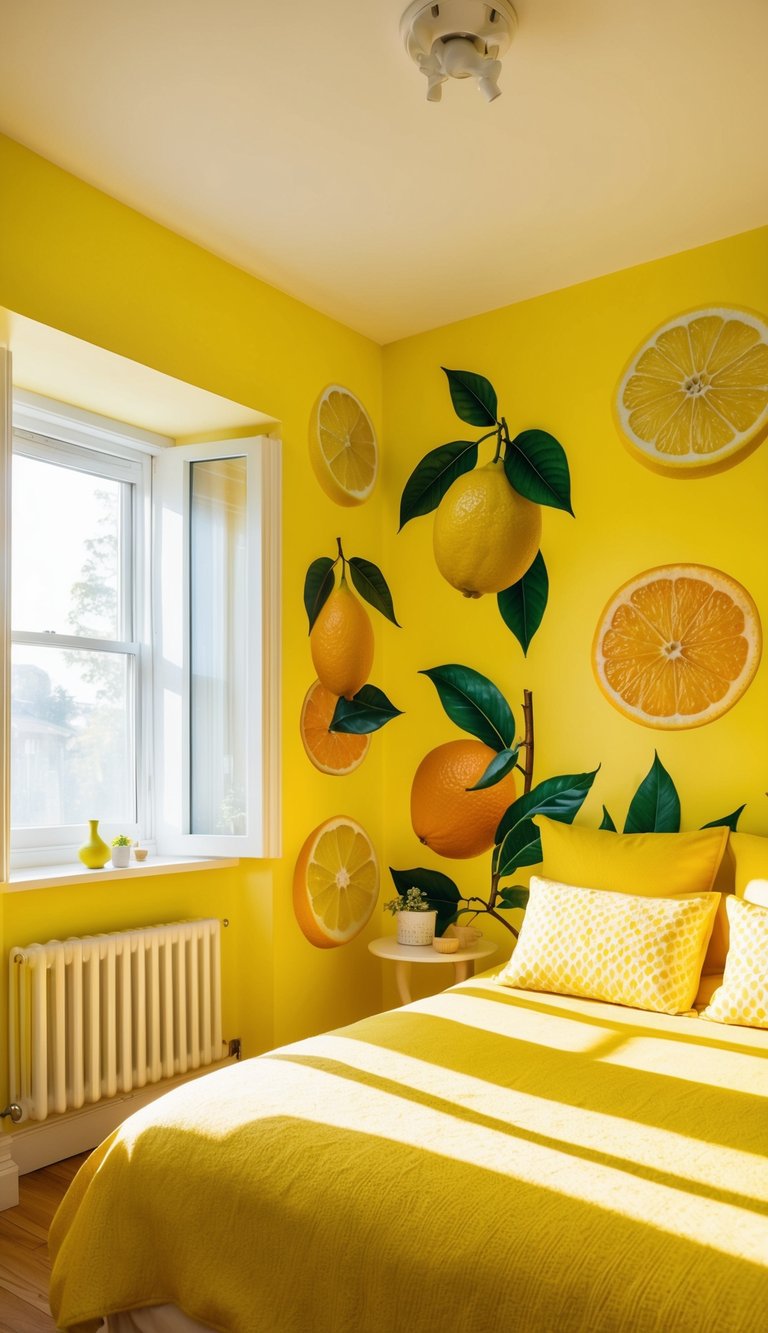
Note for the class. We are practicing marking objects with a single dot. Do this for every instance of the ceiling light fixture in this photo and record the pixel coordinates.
(459, 39)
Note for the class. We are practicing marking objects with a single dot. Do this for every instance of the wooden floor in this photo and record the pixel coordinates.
(24, 1267)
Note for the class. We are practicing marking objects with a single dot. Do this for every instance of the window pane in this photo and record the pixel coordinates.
(66, 550)
(218, 700)
(71, 728)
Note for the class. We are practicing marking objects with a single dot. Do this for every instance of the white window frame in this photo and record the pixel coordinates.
(36, 846)
(33, 416)
(171, 638)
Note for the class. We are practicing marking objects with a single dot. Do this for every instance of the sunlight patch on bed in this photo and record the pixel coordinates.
(575, 1166)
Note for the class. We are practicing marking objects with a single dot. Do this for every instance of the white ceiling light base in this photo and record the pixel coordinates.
(459, 39)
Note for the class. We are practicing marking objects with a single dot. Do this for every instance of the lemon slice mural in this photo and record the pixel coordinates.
(694, 397)
(677, 646)
(342, 446)
(335, 883)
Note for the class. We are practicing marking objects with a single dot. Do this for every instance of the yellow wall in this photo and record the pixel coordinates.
(77, 260)
(555, 362)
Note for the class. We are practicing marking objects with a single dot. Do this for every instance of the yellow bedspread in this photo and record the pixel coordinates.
(484, 1161)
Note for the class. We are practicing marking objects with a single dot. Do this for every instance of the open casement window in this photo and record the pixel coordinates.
(139, 603)
(216, 548)
(6, 403)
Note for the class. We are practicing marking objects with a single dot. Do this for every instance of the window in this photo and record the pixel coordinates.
(141, 672)
(79, 652)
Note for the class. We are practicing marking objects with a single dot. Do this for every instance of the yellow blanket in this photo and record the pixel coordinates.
(484, 1161)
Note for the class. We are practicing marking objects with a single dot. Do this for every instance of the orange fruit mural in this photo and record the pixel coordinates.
(335, 883)
(448, 818)
(694, 397)
(677, 646)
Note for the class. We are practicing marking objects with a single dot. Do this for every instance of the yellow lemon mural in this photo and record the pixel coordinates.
(694, 397)
(335, 883)
(342, 446)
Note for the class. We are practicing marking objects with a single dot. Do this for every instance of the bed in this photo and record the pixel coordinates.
(489, 1158)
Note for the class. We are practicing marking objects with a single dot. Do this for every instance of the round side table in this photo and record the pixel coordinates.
(403, 955)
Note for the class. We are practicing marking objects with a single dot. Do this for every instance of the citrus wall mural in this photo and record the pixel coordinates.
(341, 640)
(342, 446)
(487, 527)
(694, 396)
(677, 646)
(335, 883)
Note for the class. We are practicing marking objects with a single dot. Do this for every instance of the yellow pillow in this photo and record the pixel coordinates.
(653, 865)
(628, 949)
(743, 996)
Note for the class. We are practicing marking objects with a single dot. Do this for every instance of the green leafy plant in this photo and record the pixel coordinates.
(535, 466)
(369, 709)
(476, 705)
(413, 900)
(121, 841)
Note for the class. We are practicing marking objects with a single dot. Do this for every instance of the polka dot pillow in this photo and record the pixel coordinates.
(743, 996)
(629, 949)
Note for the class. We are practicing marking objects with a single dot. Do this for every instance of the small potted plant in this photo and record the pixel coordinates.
(121, 851)
(415, 919)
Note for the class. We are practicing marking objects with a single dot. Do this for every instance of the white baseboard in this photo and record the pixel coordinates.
(38, 1143)
(9, 1175)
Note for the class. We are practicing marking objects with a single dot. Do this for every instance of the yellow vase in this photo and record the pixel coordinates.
(94, 853)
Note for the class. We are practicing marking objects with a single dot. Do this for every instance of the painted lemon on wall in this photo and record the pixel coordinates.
(334, 752)
(335, 883)
(694, 397)
(342, 446)
(677, 646)
(341, 642)
(448, 818)
(486, 535)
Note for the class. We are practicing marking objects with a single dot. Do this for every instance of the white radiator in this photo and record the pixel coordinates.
(95, 1017)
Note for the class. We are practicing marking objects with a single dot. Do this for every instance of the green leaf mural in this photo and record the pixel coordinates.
(655, 806)
(523, 605)
(501, 764)
(536, 465)
(318, 586)
(473, 397)
(371, 584)
(560, 798)
(368, 711)
(730, 821)
(433, 476)
(475, 704)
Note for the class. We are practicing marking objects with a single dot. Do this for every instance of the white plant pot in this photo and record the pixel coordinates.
(416, 927)
(121, 857)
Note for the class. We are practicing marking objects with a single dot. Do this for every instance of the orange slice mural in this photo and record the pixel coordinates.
(677, 646)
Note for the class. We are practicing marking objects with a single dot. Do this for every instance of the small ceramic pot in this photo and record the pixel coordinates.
(121, 857)
(416, 927)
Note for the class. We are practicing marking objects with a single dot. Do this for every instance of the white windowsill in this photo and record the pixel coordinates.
(51, 877)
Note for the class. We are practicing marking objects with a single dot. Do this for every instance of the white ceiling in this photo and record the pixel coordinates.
(293, 138)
